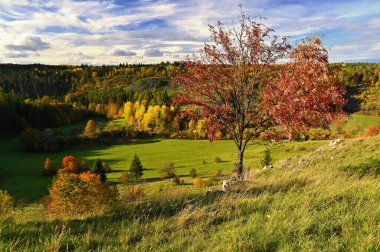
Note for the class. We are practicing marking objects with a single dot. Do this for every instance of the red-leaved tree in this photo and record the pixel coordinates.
(236, 83)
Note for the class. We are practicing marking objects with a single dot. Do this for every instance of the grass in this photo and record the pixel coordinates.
(313, 205)
(358, 124)
(20, 171)
(314, 199)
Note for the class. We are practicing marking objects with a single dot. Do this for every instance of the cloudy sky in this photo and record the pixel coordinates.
(119, 31)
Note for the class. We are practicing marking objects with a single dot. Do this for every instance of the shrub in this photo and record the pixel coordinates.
(267, 159)
(198, 182)
(176, 180)
(132, 193)
(167, 171)
(47, 169)
(90, 130)
(67, 160)
(126, 178)
(218, 173)
(193, 173)
(34, 140)
(97, 169)
(106, 167)
(74, 195)
(136, 169)
(6, 205)
(318, 134)
(29, 140)
(217, 159)
(372, 131)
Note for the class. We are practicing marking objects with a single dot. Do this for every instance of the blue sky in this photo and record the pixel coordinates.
(149, 31)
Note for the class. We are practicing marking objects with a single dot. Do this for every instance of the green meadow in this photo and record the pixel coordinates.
(21, 171)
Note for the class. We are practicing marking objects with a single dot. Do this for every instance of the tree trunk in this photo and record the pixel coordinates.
(239, 166)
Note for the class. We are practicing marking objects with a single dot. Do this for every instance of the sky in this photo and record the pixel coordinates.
(150, 31)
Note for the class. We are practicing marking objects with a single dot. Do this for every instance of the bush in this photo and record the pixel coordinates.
(97, 169)
(167, 172)
(47, 169)
(34, 140)
(106, 167)
(218, 173)
(132, 193)
(217, 159)
(70, 164)
(176, 180)
(198, 182)
(267, 159)
(136, 169)
(90, 130)
(126, 178)
(74, 195)
(29, 140)
(193, 173)
(372, 131)
(67, 160)
(318, 134)
(6, 205)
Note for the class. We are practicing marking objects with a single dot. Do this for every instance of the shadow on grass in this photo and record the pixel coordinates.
(370, 168)
(143, 141)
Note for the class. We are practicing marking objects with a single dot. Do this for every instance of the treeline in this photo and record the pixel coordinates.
(17, 114)
(36, 80)
(120, 95)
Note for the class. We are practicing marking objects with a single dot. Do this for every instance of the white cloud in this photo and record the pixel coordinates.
(97, 31)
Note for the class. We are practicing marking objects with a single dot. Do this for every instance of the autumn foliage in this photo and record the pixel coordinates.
(372, 131)
(67, 160)
(73, 195)
(305, 93)
(240, 83)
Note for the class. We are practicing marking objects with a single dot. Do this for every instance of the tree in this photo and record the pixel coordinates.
(267, 159)
(136, 169)
(229, 84)
(97, 168)
(91, 129)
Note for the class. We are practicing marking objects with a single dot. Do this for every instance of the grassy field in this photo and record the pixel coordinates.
(359, 123)
(20, 171)
(324, 200)
(21, 177)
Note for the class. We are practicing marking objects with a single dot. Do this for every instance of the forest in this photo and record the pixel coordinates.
(42, 96)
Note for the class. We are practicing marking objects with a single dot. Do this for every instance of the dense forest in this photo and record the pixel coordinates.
(41, 96)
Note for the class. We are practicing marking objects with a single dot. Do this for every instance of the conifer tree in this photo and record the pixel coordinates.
(267, 159)
(136, 169)
(97, 168)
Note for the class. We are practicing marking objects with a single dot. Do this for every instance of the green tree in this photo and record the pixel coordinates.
(136, 169)
(267, 159)
(97, 168)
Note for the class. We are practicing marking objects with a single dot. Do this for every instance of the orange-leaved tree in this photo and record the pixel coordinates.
(238, 82)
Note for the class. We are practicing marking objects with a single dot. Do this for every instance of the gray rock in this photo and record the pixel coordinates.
(267, 167)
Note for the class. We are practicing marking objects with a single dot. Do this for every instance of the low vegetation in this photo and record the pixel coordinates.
(302, 203)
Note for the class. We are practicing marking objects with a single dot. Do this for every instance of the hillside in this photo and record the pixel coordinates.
(324, 200)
